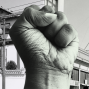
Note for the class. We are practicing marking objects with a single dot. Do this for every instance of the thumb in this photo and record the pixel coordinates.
(39, 18)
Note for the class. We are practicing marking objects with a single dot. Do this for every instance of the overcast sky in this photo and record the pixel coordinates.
(77, 12)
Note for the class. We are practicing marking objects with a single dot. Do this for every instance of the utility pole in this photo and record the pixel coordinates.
(86, 46)
(18, 61)
(3, 59)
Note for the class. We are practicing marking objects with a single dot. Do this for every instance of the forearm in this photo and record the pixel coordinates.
(47, 78)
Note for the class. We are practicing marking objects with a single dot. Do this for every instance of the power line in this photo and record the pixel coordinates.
(83, 21)
(86, 29)
(86, 46)
(25, 4)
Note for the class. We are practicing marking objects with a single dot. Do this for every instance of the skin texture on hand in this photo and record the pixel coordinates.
(47, 45)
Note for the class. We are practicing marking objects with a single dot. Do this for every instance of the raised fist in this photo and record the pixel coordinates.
(47, 45)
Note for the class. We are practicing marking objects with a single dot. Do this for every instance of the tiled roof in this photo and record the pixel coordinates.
(6, 10)
(11, 15)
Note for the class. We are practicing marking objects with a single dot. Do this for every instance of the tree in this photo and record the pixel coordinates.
(11, 65)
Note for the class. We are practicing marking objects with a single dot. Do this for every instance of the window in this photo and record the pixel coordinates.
(82, 76)
(52, 3)
(75, 74)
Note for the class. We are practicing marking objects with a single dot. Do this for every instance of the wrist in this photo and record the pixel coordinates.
(47, 78)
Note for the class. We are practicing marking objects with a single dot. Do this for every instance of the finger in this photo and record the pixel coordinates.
(53, 28)
(47, 9)
(67, 40)
(38, 18)
(72, 48)
(65, 36)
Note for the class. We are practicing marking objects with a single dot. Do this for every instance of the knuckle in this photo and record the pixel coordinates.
(48, 9)
(69, 29)
(28, 9)
(33, 6)
(62, 17)
(65, 35)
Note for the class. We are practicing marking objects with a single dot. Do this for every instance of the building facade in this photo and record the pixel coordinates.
(8, 23)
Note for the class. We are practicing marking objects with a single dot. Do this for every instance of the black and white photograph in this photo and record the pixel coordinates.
(44, 44)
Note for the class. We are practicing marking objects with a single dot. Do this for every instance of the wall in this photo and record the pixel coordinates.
(13, 82)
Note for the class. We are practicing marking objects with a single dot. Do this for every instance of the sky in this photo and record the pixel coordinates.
(77, 12)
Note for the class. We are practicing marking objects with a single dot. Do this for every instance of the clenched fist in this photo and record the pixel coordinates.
(47, 45)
